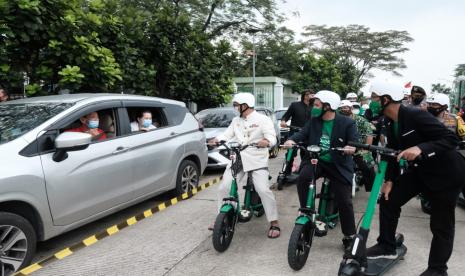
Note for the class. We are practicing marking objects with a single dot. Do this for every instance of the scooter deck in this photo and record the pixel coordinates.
(381, 266)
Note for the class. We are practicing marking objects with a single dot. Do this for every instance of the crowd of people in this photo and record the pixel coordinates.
(419, 127)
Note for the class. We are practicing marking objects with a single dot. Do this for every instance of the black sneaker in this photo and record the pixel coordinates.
(433, 272)
(347, 243)
(379, 252)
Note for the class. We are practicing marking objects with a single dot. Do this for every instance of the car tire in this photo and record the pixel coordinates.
(188, 177)
(24, 245)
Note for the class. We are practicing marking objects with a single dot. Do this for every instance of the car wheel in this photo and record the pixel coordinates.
(188, 177)
(17, 243)
(274, 152)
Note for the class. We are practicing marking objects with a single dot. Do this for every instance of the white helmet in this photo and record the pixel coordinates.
(351, 95)
(329, 97)
(345, 103)
(439, 98)
(244, 98)
(382, 88)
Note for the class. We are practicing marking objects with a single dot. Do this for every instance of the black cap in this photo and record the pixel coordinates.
(418, 89)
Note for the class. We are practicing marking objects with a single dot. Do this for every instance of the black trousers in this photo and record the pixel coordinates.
(368, 172)
(442, 220)
(341, 188)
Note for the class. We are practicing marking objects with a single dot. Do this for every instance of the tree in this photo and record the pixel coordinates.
(460, 70)
(357, 46)
(231, 17)
(440, 88)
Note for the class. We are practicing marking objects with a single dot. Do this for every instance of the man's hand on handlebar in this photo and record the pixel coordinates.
(263, 143)
(349, 150)
(288, 144)
(409, 154)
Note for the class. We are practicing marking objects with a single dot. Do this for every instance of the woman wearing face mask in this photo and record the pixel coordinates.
(143, 123)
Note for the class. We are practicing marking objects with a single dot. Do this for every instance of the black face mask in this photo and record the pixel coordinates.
(417, 101)
(435, 111)
(345, 113)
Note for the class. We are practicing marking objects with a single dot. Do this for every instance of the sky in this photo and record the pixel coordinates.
(437, 27)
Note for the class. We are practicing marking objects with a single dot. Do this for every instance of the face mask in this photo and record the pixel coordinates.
(92, 124)
(147, 123)
(345, 113)
(375, 108)
(417, 101)
(356, 111)
(237, 109)
(316, 112)
(435, 111)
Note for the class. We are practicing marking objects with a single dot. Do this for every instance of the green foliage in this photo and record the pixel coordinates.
(441, 88)
(460, 70)
(357, 46)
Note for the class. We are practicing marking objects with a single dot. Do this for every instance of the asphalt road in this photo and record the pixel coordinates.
(176, 242)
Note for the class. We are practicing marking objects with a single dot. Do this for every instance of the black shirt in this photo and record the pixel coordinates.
(299, 113)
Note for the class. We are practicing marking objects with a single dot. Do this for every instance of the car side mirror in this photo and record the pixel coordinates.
(70, 141)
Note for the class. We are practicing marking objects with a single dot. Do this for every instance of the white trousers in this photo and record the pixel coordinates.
(261, 184)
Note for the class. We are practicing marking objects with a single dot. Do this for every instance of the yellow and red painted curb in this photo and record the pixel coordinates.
(113, 229)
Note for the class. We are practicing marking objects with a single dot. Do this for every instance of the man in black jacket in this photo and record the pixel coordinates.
(299, 112)
(328, 129)
(439, 176)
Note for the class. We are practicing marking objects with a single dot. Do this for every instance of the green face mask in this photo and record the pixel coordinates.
(316, 112)
(375, 108)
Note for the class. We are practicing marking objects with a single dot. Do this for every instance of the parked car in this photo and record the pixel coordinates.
(53, 180)
(216, 121)
(284, 131)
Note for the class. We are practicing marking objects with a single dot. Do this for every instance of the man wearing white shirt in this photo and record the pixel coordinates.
(251, 127)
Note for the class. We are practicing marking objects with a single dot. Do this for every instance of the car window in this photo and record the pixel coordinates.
(101, 124)
(139, 115)
(216, 118)
(17, 119)
(279, 114)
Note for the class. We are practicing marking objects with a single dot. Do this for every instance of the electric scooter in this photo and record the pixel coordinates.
(286, 176)
(231, 211)
(356, 262)
(311, 221)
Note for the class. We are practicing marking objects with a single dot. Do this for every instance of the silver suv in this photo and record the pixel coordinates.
(55, 177)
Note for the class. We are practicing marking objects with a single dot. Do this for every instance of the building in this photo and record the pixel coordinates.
(271, 92)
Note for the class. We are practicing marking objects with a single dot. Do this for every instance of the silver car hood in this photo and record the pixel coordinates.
(213, 132)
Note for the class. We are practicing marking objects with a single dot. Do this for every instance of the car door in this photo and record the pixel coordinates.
(153, 151)
(92, 180)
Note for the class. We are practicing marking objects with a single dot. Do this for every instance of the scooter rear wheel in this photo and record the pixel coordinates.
(223, 231)
(299, 245)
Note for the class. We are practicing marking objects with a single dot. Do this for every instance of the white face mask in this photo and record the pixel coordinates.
(356, 111)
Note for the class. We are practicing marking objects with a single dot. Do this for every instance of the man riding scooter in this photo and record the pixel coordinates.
(251, 127)
(327, 129)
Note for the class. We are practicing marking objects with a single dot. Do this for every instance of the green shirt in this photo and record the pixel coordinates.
(325, 140)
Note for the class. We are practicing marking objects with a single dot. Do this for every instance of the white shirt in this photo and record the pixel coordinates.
(251, 130)
(135, 127)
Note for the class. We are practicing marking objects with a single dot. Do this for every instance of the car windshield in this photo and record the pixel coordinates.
(279, 114)
(216, 118)
(17, 119)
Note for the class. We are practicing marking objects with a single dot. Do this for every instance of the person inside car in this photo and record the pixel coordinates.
(143, 122)
(90, 124)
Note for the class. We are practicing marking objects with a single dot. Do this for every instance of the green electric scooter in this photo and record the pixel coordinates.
(286, 176)
(231, 211)
(356, 263)
(311, 222)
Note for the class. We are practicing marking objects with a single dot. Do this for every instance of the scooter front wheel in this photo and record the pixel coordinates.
(223, 231)
(299, 245)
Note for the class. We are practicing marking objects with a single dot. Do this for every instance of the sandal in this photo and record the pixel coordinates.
(274, 228)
